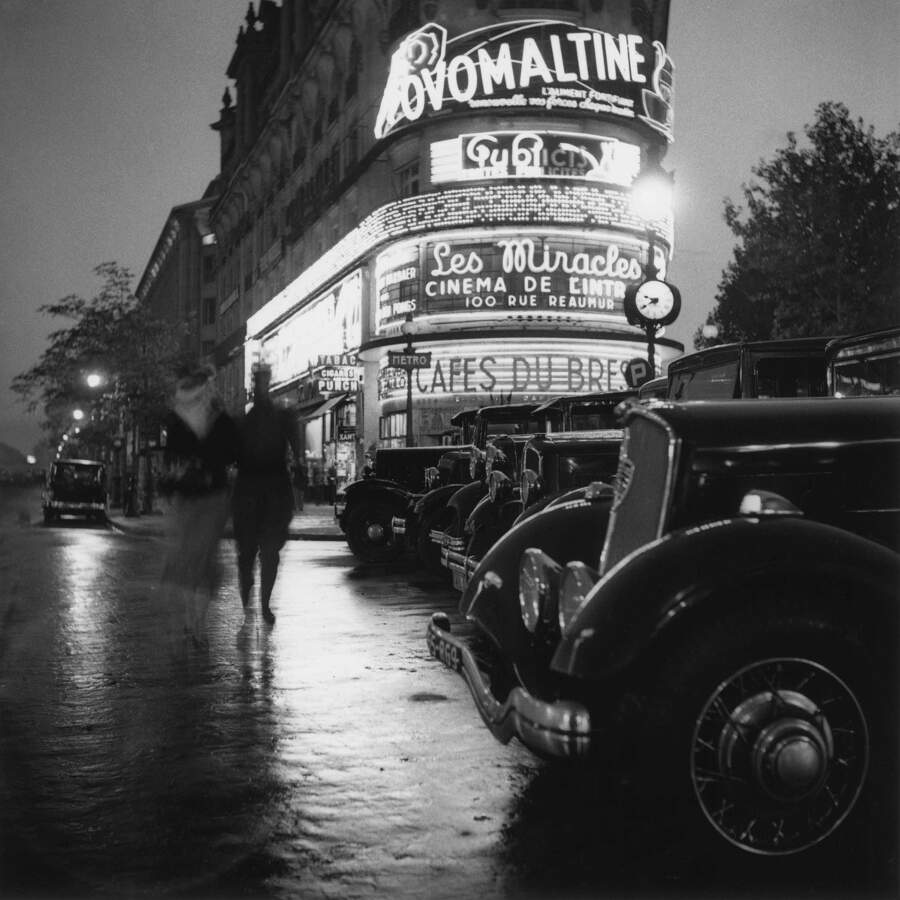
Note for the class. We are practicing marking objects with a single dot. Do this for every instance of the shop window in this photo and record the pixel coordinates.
(392, 426)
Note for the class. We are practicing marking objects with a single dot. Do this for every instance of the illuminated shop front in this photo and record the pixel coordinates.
(501, 241)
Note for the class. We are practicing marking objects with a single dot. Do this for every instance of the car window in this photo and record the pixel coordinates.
(786, 376)
(72, 475)
(867, 377)
(716, 382)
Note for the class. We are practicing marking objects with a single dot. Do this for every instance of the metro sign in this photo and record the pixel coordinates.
(399, 359)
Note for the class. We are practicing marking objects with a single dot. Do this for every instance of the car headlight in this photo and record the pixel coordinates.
(538, 586)
(531, 486)
(575, 584)
(499, 486)
(432, 478)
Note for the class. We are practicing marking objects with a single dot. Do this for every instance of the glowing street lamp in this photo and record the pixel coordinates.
(653, 303)
(77, 414)
(94, 379)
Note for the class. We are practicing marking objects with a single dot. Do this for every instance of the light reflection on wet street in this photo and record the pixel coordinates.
(327, 756)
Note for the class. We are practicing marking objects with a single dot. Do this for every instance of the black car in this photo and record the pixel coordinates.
(723, 621)
(366, 507)
(75, 487)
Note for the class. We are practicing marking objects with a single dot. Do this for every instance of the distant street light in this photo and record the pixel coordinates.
(94, 379)
(77, 414)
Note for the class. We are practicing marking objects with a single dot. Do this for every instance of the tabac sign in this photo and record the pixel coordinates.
(528, 65)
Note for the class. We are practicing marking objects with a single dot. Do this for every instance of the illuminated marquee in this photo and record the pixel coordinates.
(533, 369)
(330, 324)
(534, 154)
(511, 274)
(528, 65)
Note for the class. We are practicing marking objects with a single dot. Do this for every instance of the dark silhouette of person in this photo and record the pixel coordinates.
(263, 498)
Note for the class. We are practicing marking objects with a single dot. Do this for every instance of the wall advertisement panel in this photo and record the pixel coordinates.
(329, 324)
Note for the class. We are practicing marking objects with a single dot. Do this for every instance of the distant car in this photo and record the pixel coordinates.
(75, 487)
(723, 620)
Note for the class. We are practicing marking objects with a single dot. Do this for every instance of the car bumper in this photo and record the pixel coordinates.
(460, 565)
(75, 506)
(560, 729)
(398, 526)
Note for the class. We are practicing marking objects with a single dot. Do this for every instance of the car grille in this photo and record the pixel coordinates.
(642, 481)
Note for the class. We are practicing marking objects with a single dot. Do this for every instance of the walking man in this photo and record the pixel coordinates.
(263, 502)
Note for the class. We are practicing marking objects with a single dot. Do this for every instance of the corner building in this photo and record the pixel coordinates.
(451, 176)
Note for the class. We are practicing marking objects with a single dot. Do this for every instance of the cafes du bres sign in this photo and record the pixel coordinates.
(528, 65)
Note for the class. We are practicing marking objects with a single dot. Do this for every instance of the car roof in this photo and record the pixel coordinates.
(779, 421)
(463, 415)
(507, 410)
(604, 398)
(786, 345)
(78, 462)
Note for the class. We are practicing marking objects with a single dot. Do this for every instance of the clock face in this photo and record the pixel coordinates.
(654, 300)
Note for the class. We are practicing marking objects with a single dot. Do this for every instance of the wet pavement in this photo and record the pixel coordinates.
(326, 756)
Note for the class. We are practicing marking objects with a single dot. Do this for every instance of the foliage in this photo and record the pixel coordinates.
(111, 334)
(818, 238)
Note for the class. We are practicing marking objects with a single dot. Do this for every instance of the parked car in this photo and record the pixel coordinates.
(728, 628)
(587, 412)
(75, 487)
(550, 468)
(428, 516)
(792, 367)
(366, 507)
(864, 365)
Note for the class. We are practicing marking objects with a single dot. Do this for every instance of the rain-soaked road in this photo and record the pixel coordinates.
(328, 756)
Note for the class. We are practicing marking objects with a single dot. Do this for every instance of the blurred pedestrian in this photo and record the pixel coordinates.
(201, 442)
(263, 502)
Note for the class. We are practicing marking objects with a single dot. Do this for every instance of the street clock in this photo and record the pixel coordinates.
(652, 303)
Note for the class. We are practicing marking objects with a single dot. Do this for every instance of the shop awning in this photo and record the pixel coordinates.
(324, 408)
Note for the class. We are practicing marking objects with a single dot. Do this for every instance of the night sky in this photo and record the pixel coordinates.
(106, 106)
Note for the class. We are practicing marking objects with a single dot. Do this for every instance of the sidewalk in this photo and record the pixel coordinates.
(314, 523)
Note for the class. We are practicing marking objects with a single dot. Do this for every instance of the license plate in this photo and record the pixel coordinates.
(443, 650)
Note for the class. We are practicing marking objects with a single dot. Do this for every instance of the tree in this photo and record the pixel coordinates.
(818, 238)
(112, 334)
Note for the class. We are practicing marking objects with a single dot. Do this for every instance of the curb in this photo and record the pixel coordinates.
(127, 528)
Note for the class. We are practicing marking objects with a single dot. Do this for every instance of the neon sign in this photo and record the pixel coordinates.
(535, 154)
(521, 369)
(511, 274)
(528, 65)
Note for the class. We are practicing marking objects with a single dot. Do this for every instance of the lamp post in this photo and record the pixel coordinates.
(408, 328)
(653, 303)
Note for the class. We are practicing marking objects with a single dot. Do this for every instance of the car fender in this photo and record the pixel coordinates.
(438, 497)
(375, 490)
(463, 502)
(491, 598)
(704, 569)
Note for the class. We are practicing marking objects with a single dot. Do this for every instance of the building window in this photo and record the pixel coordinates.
(392, 426)
(209, 310)
(408, 179)
(209, 268)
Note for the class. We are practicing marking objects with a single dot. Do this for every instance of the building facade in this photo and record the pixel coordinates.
(453, 178)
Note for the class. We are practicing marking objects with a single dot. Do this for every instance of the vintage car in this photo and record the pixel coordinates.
(427, 518)
(548, 468)
(365, 509)
(75, 487)
(729, 628)
(595, 411)
(864, 365)
(793, 367)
